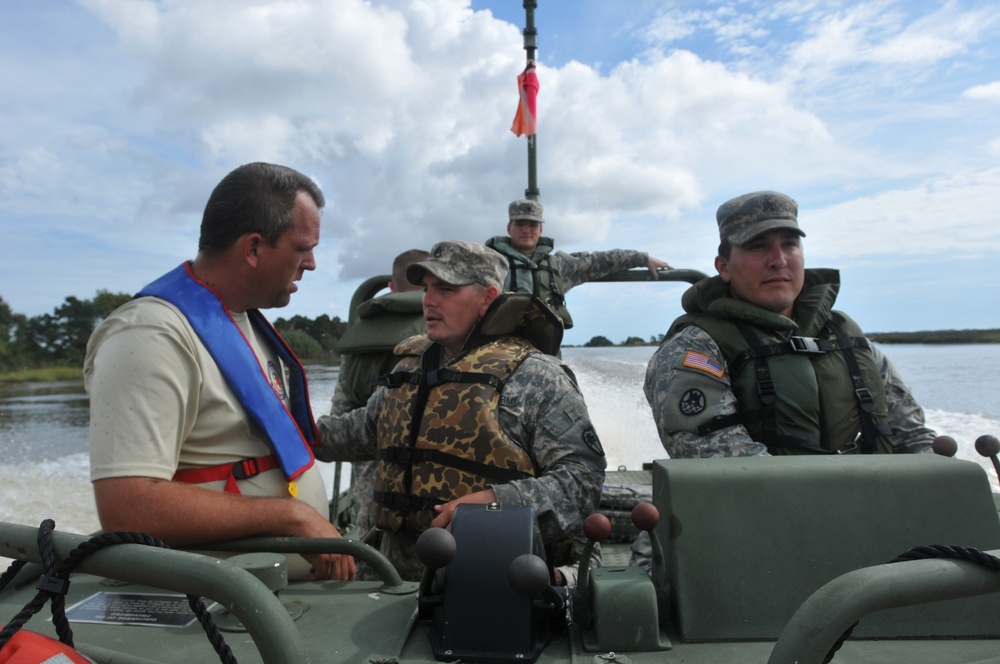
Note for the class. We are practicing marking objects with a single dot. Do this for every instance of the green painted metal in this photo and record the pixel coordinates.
(753, 549)
(235, 589)
(690, 276)
(378, 562)
(750, 539)
(832, 609)
(368, 289)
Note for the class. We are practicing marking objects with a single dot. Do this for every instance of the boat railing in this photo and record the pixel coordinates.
(821, 621)
(665, 276)
(392, 583)
(247, 598)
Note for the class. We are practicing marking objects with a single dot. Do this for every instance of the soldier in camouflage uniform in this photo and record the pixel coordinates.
(535, 268)
(762, 364)
(366, 350)
(528, 442)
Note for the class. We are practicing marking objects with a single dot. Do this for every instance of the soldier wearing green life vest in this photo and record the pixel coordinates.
(366, 351)
(534, 267)
(762, 364)
(477, 410)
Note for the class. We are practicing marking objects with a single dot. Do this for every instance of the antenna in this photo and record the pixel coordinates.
(530, 46)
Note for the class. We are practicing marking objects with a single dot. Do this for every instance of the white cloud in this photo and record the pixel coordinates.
(950, 216)
(985, 92)
(118, 130)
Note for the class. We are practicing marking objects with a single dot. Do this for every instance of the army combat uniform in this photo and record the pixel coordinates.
(702, 409)
(366, 348)
(551, 274)
(554, 452)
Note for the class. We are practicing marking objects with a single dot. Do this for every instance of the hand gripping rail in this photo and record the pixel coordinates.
(392, 582)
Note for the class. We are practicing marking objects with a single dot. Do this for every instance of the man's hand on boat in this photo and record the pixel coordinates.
(336, 567)
(655, 264)
(184, 514)
(447, 511)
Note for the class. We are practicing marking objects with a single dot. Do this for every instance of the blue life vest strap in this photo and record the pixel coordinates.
(291, 431)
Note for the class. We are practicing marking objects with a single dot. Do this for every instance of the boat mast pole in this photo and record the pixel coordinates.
(530, 46)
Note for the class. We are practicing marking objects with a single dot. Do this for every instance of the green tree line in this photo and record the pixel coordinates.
(990, 336)
(601, 341)
(60, 339)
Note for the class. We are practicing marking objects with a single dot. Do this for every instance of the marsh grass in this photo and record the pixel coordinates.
(41, 374)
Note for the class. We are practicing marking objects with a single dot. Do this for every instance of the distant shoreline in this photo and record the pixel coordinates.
(938, 337)
(929, 337)
(991, 336)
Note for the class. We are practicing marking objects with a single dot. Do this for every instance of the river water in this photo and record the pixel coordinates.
(43, 426)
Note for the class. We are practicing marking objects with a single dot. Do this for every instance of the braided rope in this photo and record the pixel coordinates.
(54, 584)
(11, 572)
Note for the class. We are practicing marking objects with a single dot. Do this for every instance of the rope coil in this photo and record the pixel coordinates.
(54, 584)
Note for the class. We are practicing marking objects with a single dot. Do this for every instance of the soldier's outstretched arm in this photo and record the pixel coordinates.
(581, 267)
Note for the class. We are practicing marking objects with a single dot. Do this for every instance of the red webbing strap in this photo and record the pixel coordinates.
(230, 472)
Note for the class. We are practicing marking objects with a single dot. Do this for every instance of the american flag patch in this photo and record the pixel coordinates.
(704, 363)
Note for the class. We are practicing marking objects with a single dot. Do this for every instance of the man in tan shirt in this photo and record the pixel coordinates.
(200, 423)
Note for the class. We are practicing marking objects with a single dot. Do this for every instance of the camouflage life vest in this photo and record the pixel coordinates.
(439, 433)
(813, 388)
(538, 275)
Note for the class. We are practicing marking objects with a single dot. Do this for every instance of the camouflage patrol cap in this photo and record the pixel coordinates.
(745, 217)
(460, 263)
(525, 209)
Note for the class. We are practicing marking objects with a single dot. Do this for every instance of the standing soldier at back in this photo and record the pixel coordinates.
(534, 267)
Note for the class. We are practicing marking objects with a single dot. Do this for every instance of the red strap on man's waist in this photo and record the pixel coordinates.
(240, 470)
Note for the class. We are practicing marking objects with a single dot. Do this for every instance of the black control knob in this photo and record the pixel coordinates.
(436, 548)
(944, 446)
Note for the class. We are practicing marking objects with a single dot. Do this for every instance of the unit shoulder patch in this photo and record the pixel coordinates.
(593, 442)
(693, 402)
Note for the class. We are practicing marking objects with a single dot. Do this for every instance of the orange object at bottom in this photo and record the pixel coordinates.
(27, 647)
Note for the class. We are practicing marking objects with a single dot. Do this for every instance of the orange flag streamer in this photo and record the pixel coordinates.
(526, 119)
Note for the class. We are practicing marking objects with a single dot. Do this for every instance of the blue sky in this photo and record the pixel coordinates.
(881, 118)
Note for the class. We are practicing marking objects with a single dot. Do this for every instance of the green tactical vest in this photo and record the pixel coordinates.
(816, 397)
(439, 432)
(367, 345)
(538, 275)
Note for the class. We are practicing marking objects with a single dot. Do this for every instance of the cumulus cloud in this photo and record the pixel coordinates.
(946, 216)
(401, 111)
(985, 92)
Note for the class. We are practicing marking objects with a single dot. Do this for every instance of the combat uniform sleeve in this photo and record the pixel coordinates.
(340, 403)
(909, 432)
(581, 267)
(687, 384)
(349, 437)
(543, 410)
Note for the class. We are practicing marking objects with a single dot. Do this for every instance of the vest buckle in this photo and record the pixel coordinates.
(865, 399)
(805, 345)
(246, 468)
